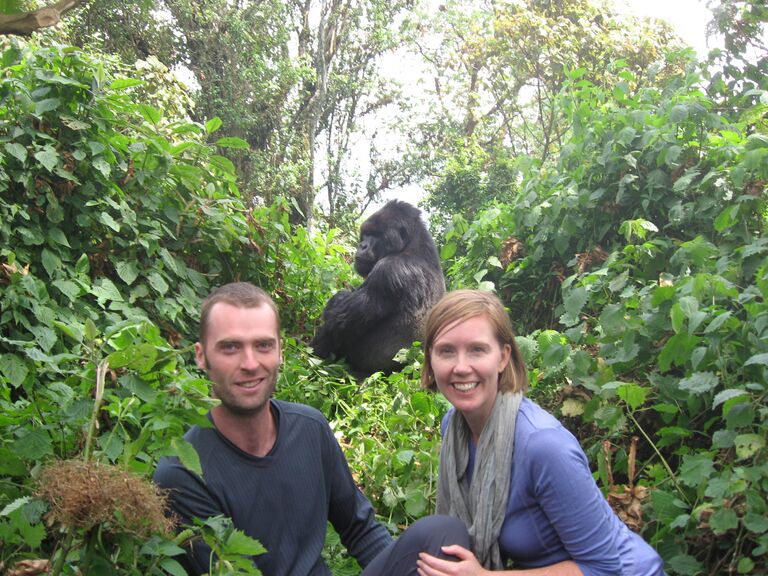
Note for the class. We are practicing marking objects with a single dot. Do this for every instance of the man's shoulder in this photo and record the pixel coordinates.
(300, 411)
(299, 421)
(201, 435)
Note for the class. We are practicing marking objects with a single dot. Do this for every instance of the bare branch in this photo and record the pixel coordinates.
(25, 23)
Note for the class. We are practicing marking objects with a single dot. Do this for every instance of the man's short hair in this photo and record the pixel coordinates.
(240, 295)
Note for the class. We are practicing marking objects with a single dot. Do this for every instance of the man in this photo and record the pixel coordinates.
(274, 467)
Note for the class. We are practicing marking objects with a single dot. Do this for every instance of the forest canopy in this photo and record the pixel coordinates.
(586, 166)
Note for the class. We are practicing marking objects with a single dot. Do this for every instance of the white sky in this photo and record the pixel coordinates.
(688, 18)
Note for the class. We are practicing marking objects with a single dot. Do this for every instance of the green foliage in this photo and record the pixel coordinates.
(115, 220)
(742, 25)
(631, 253)
(497, 75)
(232, 547)
(388, 427)
(291, 79)
(645, 246)
(12, 6)
(471, 180)
(75, 210)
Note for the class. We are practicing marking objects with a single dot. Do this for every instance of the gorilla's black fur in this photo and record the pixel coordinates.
(403, 280)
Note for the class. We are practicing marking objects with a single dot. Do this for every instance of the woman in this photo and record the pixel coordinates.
(509, 470)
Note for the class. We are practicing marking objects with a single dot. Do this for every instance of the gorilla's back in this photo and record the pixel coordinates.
(375, 350)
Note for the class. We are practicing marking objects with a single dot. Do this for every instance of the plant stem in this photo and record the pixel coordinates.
(89, 549)
(101, 373)
(661, 457)
(59, 564)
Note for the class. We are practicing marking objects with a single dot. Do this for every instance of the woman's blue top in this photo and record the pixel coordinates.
(556, 511)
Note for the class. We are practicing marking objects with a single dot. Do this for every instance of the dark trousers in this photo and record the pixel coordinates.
(428, 535)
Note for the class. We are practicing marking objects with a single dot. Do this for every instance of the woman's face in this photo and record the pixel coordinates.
(466, 361)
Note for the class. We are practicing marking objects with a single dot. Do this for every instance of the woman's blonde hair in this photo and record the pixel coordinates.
(461, 305)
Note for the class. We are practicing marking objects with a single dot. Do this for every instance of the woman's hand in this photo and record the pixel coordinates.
(467, 565)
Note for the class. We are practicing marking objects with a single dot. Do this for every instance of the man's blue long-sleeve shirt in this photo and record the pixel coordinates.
(283, 499)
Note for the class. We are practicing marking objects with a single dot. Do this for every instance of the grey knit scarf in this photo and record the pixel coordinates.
(483, 504)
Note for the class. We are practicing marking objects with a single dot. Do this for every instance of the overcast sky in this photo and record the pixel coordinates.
(689, 18)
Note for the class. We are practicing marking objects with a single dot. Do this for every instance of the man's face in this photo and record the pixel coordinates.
(242, 356)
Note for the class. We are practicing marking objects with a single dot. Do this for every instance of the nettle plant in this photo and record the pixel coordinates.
(647, 245)
(387, 425)
(113, 220)
(672, 316)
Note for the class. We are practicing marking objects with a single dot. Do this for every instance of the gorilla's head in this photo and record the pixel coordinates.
(386, 232)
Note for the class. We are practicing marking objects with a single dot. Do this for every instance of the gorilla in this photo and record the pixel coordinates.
(398, 260)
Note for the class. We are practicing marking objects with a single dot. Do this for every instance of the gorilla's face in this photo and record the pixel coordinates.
(367, 254)
(379, 238)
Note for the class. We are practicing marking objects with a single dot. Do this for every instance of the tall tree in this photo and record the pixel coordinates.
(498, 67)
(343, 40)
(743, 61)
(290, 78)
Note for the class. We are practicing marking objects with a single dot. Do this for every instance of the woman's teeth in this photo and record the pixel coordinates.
(465, 387)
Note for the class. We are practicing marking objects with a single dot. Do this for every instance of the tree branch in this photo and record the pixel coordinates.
(25, 23)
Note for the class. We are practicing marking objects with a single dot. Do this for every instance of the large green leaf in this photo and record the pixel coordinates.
(13, 369)
(573, 302)
(33, 444)
(723, 520)
(213, 124)
(187, 455)
(46, 105)
(747, 445)
(633, 395)
(128, 271)
(232, 142)
(240, 543)
(757, 359)
(140, 357)
(757, 523)
(48, 157)
(677, 351)
(696, 468)
(16, 150)
(123, 83)
(172, 567)
(685, 565)
(150, 114)
(158, 283)
(700, 382)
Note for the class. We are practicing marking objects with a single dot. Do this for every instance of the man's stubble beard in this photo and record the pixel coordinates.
(234, 408)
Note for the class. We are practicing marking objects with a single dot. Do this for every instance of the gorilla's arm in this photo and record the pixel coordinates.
(327, 337)
(394, 284)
